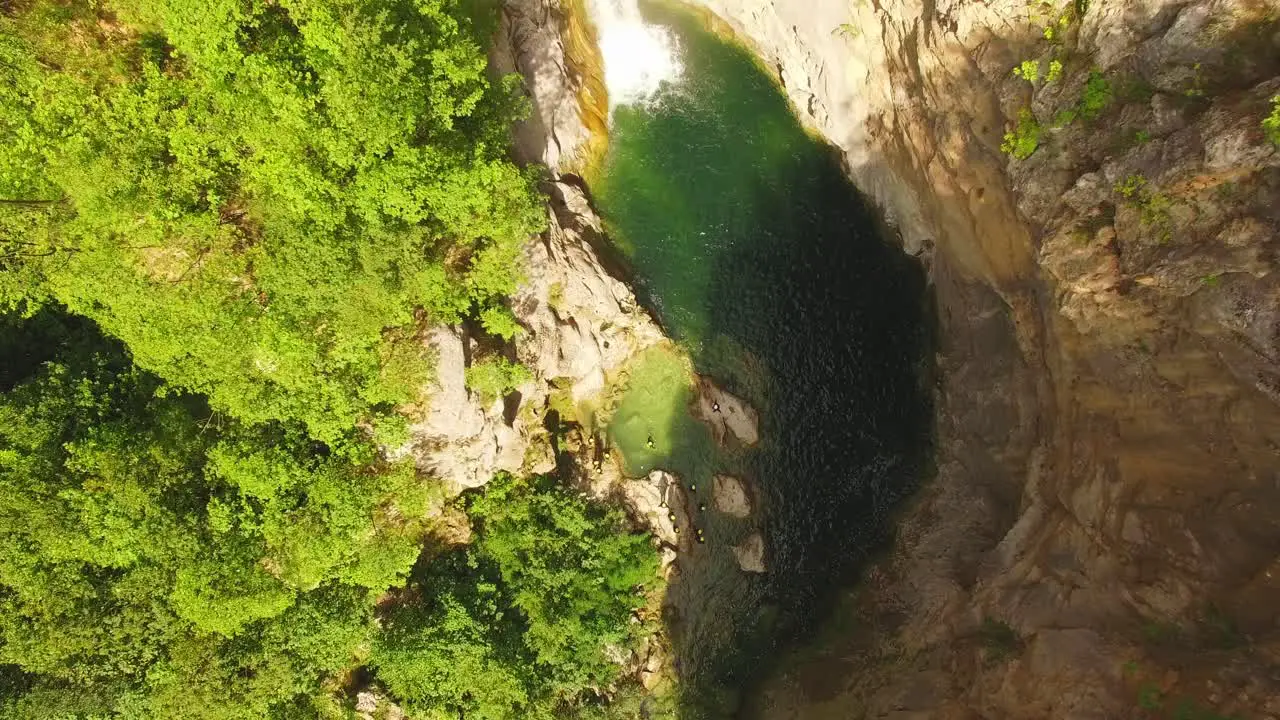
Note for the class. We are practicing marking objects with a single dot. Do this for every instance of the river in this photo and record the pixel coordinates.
(769, 269)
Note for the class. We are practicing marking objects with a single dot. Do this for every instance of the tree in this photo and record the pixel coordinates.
(494, 377)
(261, 199)
(151, 553)
(455, 647)
(223, 226)
(526, 622)
(573, 573)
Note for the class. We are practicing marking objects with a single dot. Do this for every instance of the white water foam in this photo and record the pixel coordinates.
(638, 57)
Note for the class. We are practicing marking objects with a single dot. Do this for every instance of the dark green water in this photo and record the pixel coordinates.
(762, 260)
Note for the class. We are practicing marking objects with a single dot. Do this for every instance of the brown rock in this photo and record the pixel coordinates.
(731, 496)
(1108, 382)
(750, 553)
(727, 415)
(1109, 404)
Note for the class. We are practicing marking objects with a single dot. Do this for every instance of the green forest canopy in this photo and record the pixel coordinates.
(158, 563)
(223, 225)
(259, 197)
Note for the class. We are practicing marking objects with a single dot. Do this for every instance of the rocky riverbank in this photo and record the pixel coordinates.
(1102, 536)
(582, 331)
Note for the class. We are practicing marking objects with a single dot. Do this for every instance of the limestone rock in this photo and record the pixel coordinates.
(529, 42)
(655, 498)
(582, 322)
(461, 440)
(727, 415)
(374, 706)
(750, 553)
(731, 496)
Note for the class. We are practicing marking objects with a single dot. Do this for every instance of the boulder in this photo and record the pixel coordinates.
(727, 415)
(731, 496)
(652, 499)
(373, 706)
(750, 554)
(461, 439)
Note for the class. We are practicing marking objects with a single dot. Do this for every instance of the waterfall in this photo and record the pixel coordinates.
(638, 57)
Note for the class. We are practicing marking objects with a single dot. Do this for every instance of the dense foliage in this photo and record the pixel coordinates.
(160, 560)
(529, 621)
(495, 376)
(224, 225)
(259, 197)
(151, 553)
(1271, 123)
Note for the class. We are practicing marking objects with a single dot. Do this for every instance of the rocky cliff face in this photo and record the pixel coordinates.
(1102, 539)
(580, 323)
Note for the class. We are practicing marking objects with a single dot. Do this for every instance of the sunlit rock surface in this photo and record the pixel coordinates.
(462, 440)
(728, 416)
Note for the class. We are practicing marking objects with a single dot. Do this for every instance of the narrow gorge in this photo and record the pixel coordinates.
(639, 359)
(1091, 191)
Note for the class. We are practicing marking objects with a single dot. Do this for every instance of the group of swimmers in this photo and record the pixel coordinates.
(699, 534)
(697, 531)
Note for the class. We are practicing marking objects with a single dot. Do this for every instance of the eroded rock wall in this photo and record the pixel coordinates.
(580, 323)
(1103, 536)
(531, 42)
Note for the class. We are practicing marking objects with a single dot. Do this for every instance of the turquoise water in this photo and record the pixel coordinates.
(759, 257)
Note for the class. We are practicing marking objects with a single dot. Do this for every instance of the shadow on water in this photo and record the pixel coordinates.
(767, 266)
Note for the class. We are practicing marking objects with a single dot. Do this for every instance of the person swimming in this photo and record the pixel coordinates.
(650, 443)
(715, 407)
